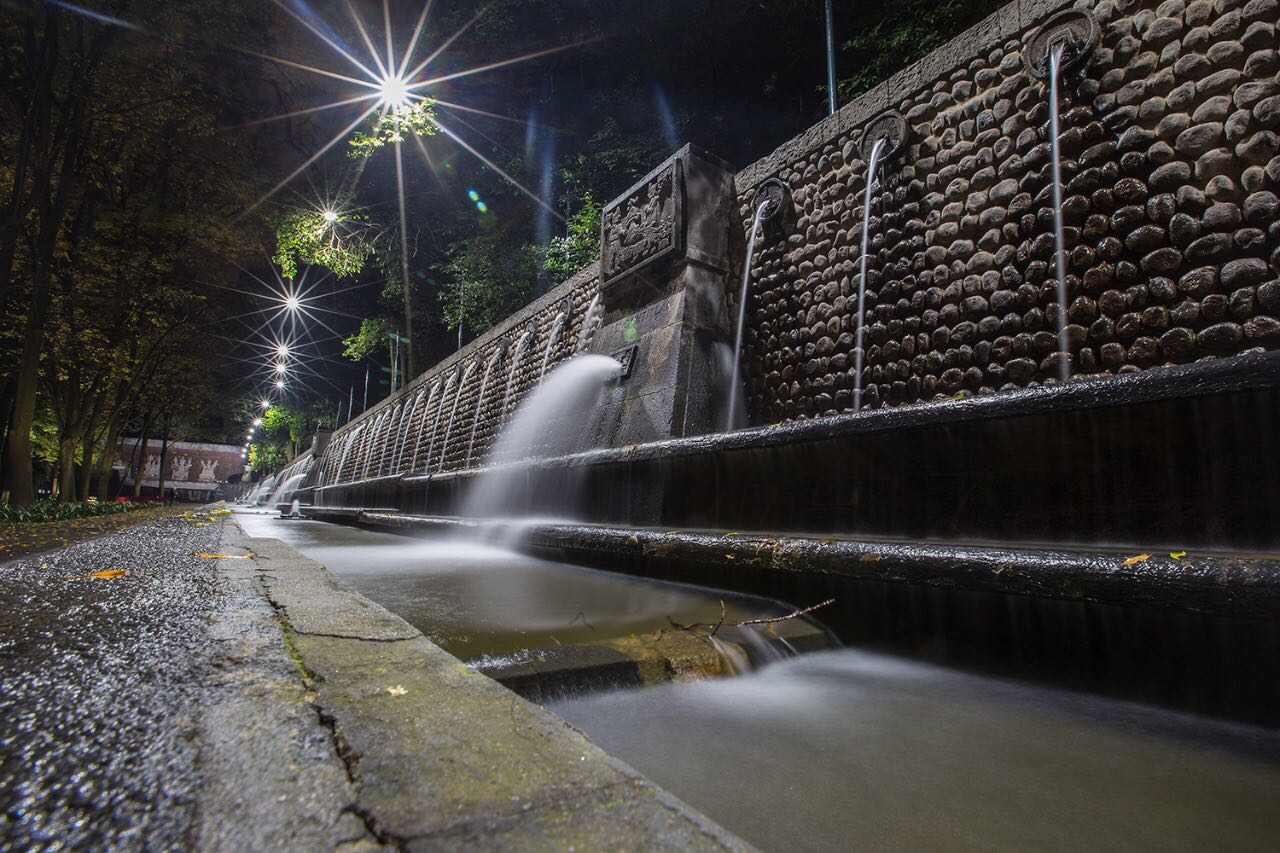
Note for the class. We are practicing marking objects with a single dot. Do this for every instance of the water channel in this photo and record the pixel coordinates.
(842, 748)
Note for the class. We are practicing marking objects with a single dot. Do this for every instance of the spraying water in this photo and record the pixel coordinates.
(1059, 250)
(457, 398)
(872, 161)
(736, 378)
(511, 376)
(556, 418)
(556, 327)
(484, 386)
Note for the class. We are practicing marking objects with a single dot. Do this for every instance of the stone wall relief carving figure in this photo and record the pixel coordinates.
(209, 470)
(181, 468)
(151, 468)
(642, 227)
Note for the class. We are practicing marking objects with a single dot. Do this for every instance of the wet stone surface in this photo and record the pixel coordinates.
(99, 686)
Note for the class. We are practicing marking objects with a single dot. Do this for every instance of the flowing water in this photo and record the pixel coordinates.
(558, 417)
(589, 324)
(556, 327)
(732, 418)
(285, 489)
(1059, 249)
(477, 600)
(516, 354)
(346, 448)
(453, 411)
(435, 424)
(475, 420)
(873, 160)
(417, 437)
(844, 749)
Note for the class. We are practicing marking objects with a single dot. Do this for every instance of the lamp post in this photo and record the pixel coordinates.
(831, 58)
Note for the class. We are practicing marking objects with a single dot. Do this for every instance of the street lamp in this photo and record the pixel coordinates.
(393, 92)
(279, 383)
(283, 349)
(266, 404)
(330, 216)
(291, 303)
(281, 368)
(258, 422)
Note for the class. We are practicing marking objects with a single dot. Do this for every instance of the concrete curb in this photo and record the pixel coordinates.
(439, 756)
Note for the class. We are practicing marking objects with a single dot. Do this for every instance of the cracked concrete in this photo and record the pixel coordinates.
(429, 753)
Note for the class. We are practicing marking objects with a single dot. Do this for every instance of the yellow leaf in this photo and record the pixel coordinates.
(397, 690)
(226, 556)
(1133, 561)
(873, 557)
(731, 533)
(107, 574)
(1177, 555)
(728, 556)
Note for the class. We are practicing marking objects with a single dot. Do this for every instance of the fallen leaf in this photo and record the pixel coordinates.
(226, 556)
(730, 533)
(397, 690)
(873, 557)
(107, 574)
(1133, 561)
(1177, 555)
(728, 556)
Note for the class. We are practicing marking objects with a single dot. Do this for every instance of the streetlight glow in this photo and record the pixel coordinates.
(258, 422)
(279, 383)
(266, 404)
(281, 368)
(283, 349)
(292, 303)
(330, 215)
(393, 92)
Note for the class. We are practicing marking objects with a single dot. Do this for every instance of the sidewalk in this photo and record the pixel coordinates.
(257, 703)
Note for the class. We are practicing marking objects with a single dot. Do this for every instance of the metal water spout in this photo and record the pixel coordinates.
(1060, 45)
(884, 137)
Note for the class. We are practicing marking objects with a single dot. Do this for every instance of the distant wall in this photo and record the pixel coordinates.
(1170, 164)
(409, 432)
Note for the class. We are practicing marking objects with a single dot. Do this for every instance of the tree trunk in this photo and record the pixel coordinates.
(66, 469)
(103, 486)
(141, 464)
(17, 474)
(164, 455)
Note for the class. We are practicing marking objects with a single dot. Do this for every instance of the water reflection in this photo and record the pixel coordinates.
(475, 599)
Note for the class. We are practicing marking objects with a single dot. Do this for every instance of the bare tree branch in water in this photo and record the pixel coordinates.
(694, 626)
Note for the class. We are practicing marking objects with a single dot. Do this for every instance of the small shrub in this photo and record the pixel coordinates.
(51, 510)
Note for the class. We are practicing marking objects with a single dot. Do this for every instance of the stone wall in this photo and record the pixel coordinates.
(1169, 142)
(410, 432)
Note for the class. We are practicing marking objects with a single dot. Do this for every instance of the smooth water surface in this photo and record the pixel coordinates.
(844, 750)
(474, 599)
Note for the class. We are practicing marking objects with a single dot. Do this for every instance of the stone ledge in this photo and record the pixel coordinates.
(443, 757)
(1208, 583)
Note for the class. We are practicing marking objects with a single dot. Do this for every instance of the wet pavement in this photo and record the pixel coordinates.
(99, 687)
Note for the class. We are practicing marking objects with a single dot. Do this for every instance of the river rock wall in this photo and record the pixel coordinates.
(1169, 151)
(1169, 144)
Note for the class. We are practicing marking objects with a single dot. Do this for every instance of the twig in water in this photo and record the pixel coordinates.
(693, 626)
